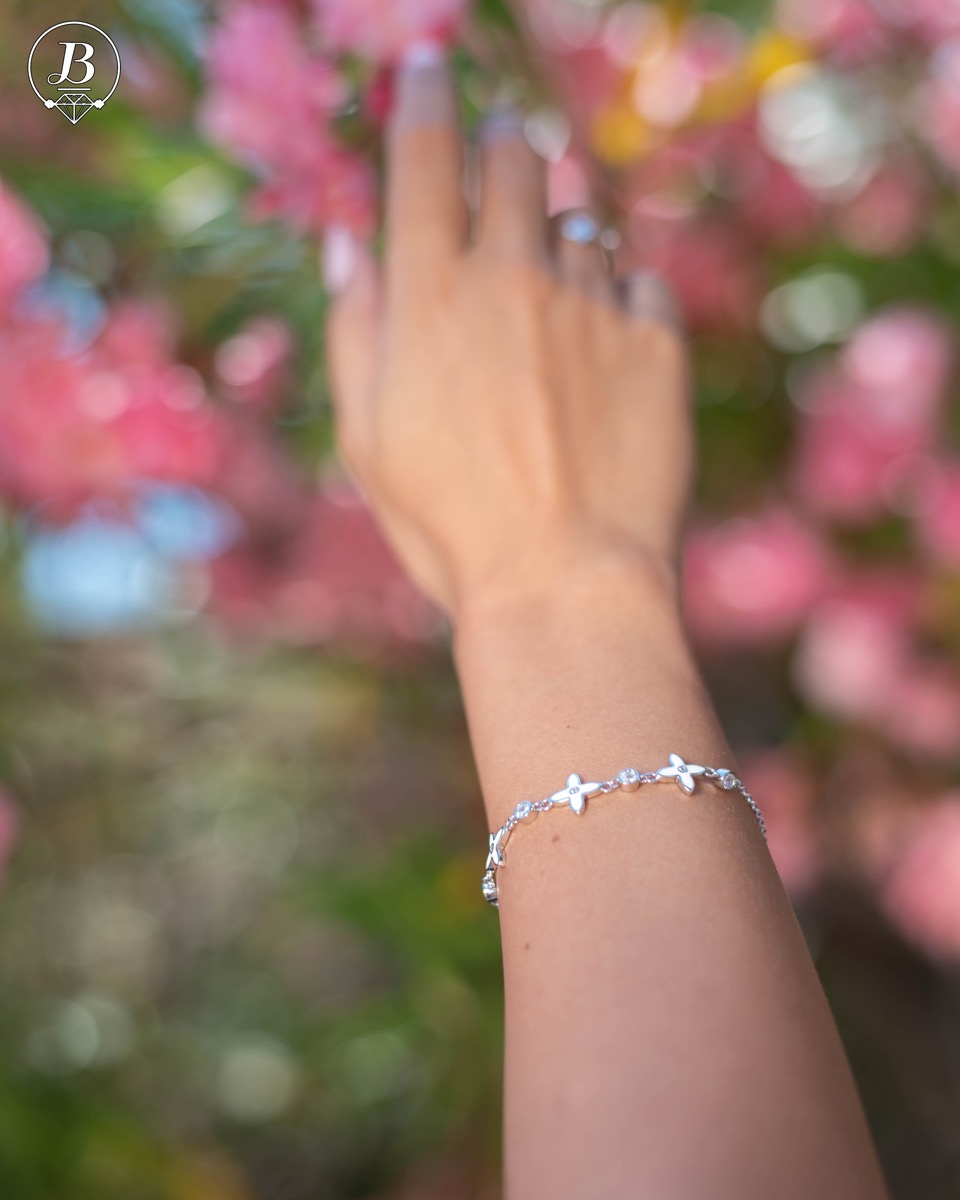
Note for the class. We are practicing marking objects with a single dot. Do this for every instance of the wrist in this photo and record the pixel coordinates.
(640, 588)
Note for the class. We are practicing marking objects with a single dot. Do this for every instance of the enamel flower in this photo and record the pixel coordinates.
(682, 772)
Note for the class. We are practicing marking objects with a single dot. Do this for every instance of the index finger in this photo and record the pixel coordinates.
(426, 210)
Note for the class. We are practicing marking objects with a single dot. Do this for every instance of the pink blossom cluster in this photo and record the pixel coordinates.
(869, 448)
(23, 248)
(271, 100)
(382, 30)
(74, 425)
(920, 891)
(870, 427)
(872, 420)
(123, 411)
(334, 577)
(275, 91)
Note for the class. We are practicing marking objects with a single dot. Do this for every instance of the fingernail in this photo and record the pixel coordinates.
(422, 55)
(648, 295)
(339, 257)
(502, 122)
(425, 94)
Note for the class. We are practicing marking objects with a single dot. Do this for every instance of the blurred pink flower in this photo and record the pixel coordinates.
(254, 363)
(76, 426)
(932, 20)
(838, 470)
(775, 207)
(269, 101)
(382, 30)
(866, 418)
(920, 710)
(51, 444)
(886, 217)
(140, 332)
(713, 45)
(785, 789)
(902, 358)
(857, 660)
(335, 578)
(753, 579)
(716, 276)
(921, 892)
(936, 104)
(23, 246)
(936, 511)
(854, 647)
(766, 201)
(847, 31)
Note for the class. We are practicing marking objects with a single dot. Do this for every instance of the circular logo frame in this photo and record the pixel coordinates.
(73, 103)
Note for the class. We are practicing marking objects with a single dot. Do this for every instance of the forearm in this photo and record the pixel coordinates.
(503, 403)
(666, 1035)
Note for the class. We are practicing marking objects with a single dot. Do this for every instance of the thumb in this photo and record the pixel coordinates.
(352, 332)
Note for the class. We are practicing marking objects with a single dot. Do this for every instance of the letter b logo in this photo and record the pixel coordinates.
(69, 55)
(74, 67)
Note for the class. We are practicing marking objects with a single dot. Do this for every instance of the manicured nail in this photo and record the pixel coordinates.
(425, 94)
(503, 121)
(422, 55)
(339, 257)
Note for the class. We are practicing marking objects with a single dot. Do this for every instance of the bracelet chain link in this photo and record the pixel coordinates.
(576, 793)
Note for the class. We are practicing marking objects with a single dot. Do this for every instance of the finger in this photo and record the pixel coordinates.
(648, 297)
(512, 220)
(580, 258)
(426, 213)
(352, 335)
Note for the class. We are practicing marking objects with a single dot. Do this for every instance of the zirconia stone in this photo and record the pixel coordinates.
(629, 779)
(524, 810)
(729, 781)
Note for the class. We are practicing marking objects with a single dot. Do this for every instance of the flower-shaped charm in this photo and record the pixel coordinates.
(495, 857)
(682, 772)
(575, 793)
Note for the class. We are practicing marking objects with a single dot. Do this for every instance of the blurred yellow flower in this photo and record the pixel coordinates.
(771, 52)
(620, 135)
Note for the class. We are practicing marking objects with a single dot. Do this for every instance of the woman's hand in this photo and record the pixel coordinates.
(515, 419)
(526, 442)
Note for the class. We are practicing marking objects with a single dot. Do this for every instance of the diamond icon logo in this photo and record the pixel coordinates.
(74, 67)
(73, 105)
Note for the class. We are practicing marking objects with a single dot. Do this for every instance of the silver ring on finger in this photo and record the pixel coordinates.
(580, 228)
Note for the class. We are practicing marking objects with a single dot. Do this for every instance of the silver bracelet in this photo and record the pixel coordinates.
(575, 794)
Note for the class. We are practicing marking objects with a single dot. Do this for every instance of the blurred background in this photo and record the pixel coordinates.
(243, 947)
